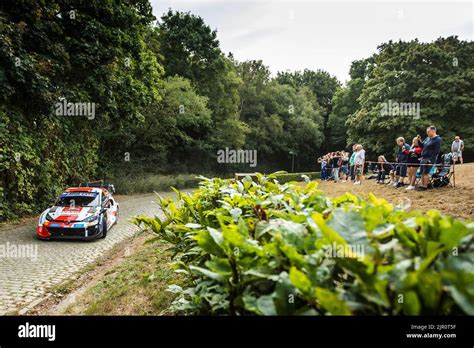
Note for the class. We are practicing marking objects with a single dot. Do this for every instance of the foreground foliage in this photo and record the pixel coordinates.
(273, 249)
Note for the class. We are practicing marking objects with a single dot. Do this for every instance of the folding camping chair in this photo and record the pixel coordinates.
(443, 174)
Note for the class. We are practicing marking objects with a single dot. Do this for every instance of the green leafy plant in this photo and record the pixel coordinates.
(266, 248)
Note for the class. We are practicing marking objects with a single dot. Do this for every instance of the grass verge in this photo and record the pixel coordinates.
(136, 286)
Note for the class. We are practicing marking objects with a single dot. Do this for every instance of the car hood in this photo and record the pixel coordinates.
(71, 214)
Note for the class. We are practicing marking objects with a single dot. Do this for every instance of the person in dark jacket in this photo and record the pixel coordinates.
(336, 164)
(402, 157)
(429, 155)
(323, 162)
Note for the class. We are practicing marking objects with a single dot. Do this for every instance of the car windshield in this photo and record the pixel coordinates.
(81, 199)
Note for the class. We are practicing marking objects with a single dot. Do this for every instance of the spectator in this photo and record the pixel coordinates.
(414, 161)
(323, 162)
(351, 162)
(383, 169)
(401, 167)
(359, 160)
(336, 163)
(344, 165)
(429, 155)
(329, 166)
(457, 148)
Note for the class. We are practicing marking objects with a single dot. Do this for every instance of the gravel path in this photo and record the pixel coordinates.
(43, 264)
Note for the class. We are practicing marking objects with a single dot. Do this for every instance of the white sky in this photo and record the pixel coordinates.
(329, 35)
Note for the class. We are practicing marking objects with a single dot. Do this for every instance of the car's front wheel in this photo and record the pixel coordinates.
(104, 226)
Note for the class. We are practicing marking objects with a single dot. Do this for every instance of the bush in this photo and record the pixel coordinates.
(268, 248)
(150, 183)
(287, 177)
(154, 182)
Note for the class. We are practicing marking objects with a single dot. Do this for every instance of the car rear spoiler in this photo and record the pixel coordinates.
(99, 184)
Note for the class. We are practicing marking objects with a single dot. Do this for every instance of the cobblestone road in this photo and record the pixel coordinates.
(24, 280)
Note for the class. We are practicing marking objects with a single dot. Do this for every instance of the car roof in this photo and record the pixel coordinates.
(84, 189)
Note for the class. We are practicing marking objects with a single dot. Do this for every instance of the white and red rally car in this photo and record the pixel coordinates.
(86, 212)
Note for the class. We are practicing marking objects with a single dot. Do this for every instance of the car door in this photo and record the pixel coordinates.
(111, 211)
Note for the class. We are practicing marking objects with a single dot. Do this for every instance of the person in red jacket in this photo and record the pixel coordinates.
(413, 161)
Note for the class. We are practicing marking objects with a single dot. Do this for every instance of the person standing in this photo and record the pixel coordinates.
(323, 167)
(429, 156)
(402, 157)
(336, 163)
(351, 162)
(344, 165)
(359, 161)
(414, 161)
(457, 147)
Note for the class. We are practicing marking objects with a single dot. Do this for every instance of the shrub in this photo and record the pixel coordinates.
(155, 182)
(287, 177)
(268, 248)
(150, 183)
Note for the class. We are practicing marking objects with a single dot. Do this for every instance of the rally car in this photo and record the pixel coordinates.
(85, 212)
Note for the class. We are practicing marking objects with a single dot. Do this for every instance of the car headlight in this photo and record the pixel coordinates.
(48, 217)
(91, 218)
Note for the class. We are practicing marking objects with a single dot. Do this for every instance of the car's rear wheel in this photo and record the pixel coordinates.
(104, 226)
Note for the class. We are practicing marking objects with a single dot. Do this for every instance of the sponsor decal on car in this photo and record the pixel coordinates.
(75, 194)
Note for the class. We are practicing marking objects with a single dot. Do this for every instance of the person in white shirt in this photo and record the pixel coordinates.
(457, 148)
(359, 161)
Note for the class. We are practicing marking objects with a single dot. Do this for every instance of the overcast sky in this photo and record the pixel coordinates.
(294, 35)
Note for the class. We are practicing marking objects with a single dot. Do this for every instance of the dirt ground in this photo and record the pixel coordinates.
(456, 201)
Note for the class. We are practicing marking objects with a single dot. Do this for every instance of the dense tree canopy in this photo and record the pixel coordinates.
(281, 117)
(345, 103)
(323, 86)
(191, 50)
(81, 53)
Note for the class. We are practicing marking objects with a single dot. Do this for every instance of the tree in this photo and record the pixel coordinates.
(174, 135)
(345, 103)
(323, 86)
(281, 118)
(438, 77)
(191, 50)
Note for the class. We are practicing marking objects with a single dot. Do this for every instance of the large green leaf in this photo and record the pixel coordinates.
(349, 225)
(411, 303)
(331, 302)
(300, 280)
